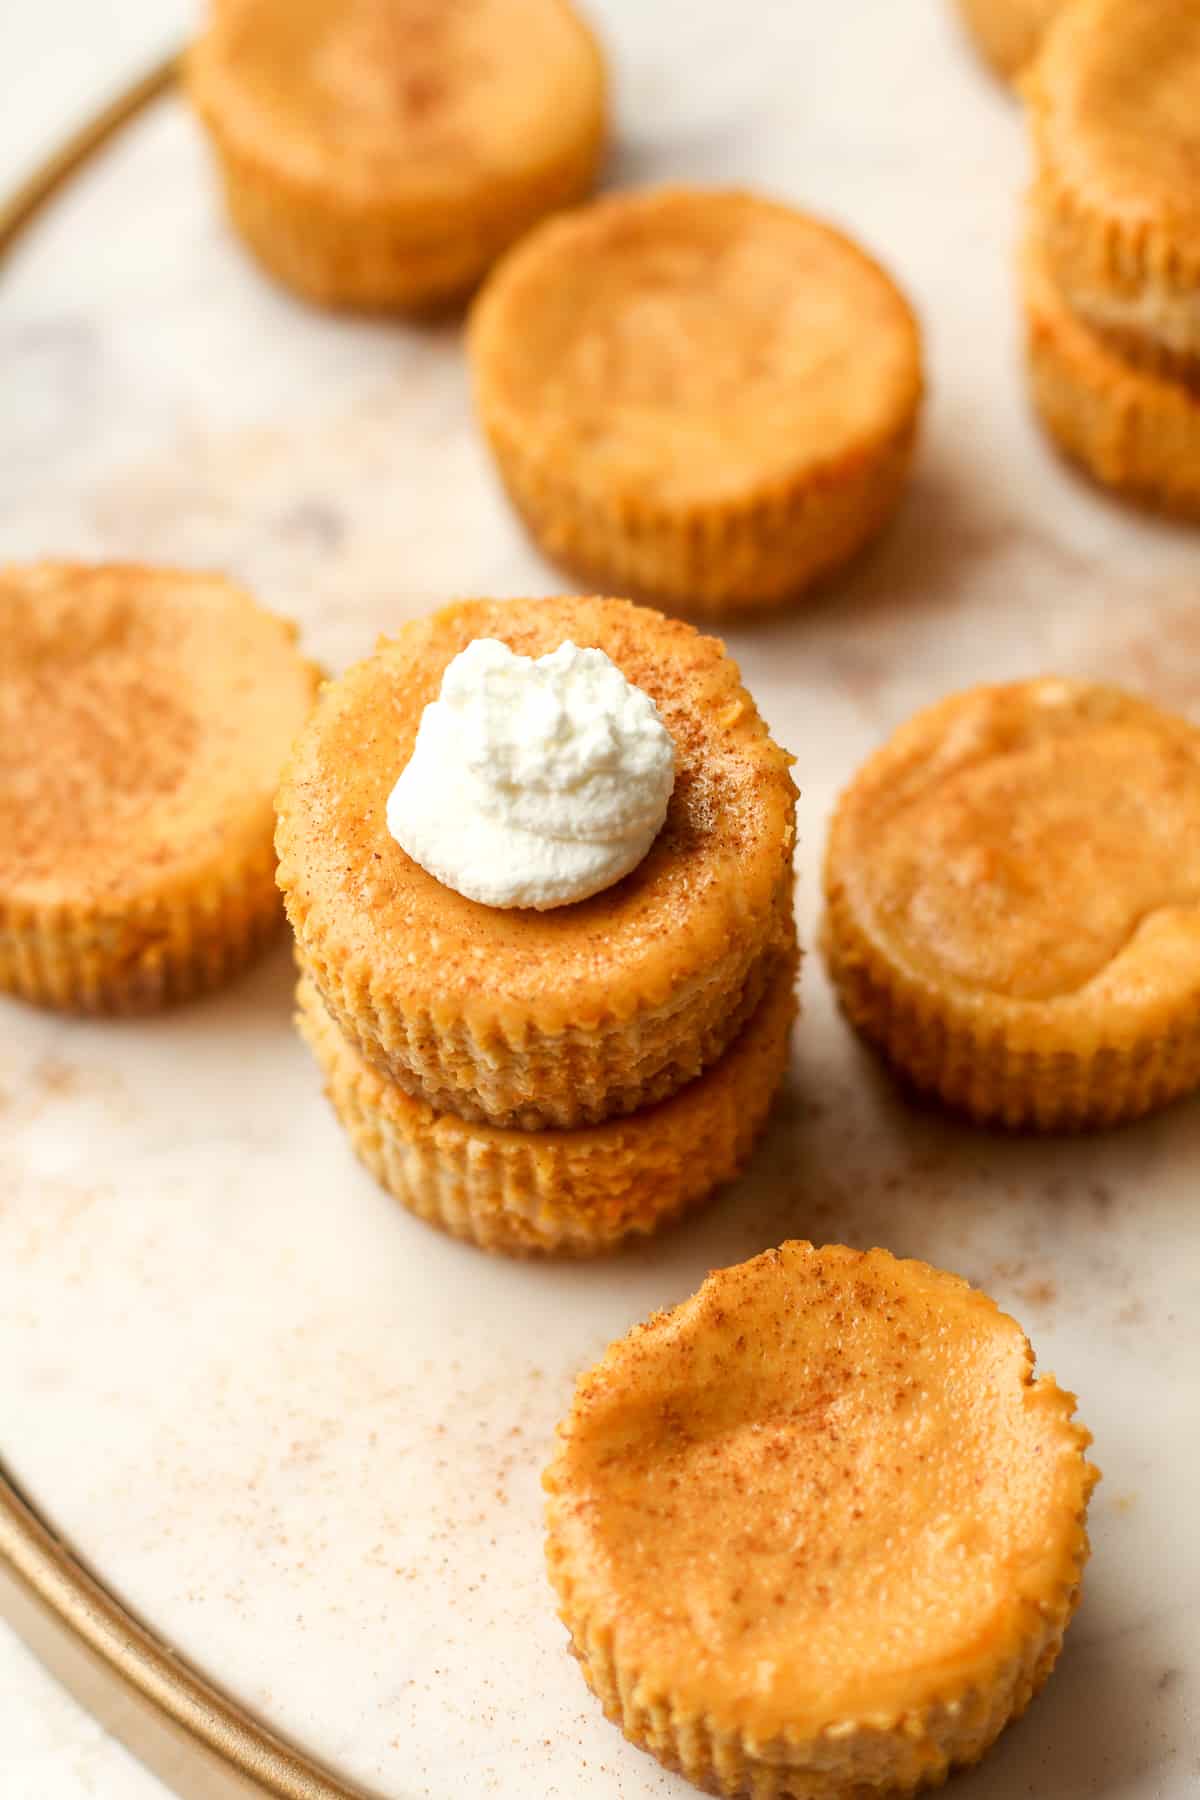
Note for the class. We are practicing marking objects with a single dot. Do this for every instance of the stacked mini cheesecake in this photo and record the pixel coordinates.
(1112, 260)
(546, 1080)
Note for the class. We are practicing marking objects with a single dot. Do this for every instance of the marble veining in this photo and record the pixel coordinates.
(299, 1431)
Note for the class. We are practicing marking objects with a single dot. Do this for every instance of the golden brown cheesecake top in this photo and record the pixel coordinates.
(712, 874)
(1038, 841)
(377, 98)
(824, 1490)
(1009, 31)
(144, 718)
(1115, 104)
(696, 345)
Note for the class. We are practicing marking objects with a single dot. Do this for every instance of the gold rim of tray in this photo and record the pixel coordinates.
(195, 1737)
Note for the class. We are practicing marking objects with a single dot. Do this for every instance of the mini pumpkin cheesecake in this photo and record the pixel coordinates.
(566, 1193)
(818, 1531)
(1013, 904)
(1114, 106)
(381, 153)
(703, 398)
(504, 1014)
(145, 715)
(1134, 430)
(1007, 32)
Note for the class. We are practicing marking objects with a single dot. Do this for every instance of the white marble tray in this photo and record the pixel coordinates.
(296, 1430)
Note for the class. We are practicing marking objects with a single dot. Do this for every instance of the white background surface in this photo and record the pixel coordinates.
(298, 1430)
(60, 58)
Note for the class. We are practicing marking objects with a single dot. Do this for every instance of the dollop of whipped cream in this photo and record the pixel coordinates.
(533, 781)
